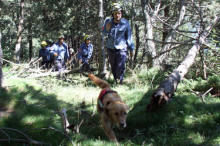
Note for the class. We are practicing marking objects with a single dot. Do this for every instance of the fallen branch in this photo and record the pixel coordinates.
(51, 128)
(203, 96)
(27, 140)
(24, 141)
(19, 65)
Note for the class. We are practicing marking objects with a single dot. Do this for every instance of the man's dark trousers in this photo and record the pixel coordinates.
(117, 59)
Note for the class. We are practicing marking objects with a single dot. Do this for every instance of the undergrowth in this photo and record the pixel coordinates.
(29, 105)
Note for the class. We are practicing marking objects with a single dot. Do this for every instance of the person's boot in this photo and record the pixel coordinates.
(121, 82)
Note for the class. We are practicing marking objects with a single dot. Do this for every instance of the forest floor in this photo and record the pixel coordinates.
(27, 112)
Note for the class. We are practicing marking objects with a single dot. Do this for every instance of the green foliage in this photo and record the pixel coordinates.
(204, 85)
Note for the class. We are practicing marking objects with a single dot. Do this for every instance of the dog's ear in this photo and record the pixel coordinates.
(108, 105)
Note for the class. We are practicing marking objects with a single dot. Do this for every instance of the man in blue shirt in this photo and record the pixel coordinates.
(119, 40)
(60, 53)
(85, 53)
(44, 52)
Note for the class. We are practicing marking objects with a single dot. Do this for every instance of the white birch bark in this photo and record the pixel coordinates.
(150, 21)
(170, 36)
(102, 56)
(168, 87)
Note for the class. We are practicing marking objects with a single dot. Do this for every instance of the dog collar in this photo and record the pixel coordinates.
(102, 94)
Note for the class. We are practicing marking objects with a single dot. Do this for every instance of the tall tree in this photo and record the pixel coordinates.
(1, 72)
(149, 17)
(102, 56)
(170, 36)
(19, 33)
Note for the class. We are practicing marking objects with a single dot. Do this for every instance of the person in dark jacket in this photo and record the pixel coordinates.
(119, 41)
(45, 53)
(61, 54)
(85, 53)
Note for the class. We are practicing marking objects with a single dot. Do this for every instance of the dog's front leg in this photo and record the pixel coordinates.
(107, 126)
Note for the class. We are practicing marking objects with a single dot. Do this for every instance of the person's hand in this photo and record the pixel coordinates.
(55, 54)
(108, 26)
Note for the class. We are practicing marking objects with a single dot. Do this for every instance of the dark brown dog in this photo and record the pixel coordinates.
(111, 108)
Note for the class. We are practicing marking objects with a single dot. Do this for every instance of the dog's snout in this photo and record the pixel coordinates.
(122, 125)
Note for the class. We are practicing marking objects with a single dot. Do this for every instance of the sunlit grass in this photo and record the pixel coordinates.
(186, 120)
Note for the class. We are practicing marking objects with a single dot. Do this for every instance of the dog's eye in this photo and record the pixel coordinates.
(125, 113)
(116, 114)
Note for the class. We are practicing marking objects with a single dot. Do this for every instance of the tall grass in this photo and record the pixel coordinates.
(29, 106)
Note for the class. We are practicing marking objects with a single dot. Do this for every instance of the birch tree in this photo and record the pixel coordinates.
(171, 34)
(102, 56)
(168, 87)
(149, 17)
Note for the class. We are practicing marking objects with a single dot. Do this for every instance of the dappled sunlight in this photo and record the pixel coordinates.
(185, 118)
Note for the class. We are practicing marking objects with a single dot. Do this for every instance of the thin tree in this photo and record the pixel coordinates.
(102, 56)
(149, 17)
(1, 72)
(17, 51)
(170, 35)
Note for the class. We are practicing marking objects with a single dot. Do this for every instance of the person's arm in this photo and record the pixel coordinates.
(107, 26)
(53, 50)
(79, 55)
(90, 52)
(40, 55)
(67, 55)
(129, 40)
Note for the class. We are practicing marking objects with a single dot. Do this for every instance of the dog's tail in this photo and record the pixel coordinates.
(99, 82)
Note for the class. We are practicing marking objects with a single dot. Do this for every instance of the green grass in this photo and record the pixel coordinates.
(28, 106)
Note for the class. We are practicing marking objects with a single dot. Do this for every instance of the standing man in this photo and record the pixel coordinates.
(61, 54)
(44, 52)
(85, 53)
(119, 40)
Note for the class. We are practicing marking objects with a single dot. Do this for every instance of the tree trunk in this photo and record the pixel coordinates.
(30, 43)
(1, 54)
(149, 16)
(19, 34)
(137, 44)
(201, 52)
(165, 27)
(170, 36)
(168, 87)
(102, 56)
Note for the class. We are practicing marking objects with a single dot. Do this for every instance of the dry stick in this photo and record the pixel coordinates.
(17, 64)
(51, 128)
(203, 96)
(65, 121)
(11, 129)
(24, 140)
(163, 52)
(61, 133)
(5, 134)
(23, 70)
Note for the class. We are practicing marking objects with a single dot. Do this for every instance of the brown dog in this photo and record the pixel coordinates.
(110, 107)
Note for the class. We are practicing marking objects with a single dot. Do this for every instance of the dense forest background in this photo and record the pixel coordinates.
(163, 31)
(169, 36)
